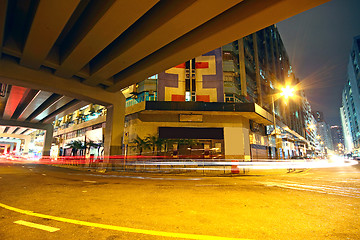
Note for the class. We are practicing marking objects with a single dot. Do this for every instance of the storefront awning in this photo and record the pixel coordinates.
(251, 111)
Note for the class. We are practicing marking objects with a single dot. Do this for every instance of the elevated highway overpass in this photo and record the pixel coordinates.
(59, 55)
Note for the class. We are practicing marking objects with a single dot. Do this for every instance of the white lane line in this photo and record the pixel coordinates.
(38, 226)
(350, 190)
(318, 189)
(140, 177)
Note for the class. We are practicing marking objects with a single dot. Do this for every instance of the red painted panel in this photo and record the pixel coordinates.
(201, 65)
(178, 98)
(13, 101)
(203, 98)
(180, 65)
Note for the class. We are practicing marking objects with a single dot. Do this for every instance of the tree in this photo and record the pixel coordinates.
(75, 146)
(168, 143)
(98, 146)
(141, 144)
(192, 142)
(154, 142)
(90, 144)
(83, 148)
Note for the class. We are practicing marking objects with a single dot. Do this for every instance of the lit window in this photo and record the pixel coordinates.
(187, 97)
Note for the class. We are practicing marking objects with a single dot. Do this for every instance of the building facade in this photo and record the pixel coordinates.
(310, 125)
(319, 116)
(325, 142)
(85, 125)
(223, 100)
(337, 138)
(350, 109)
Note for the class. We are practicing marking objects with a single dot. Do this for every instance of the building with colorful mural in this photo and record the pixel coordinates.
(222, 100)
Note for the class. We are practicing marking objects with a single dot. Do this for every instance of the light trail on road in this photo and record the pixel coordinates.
(160, 164)
(283, 164)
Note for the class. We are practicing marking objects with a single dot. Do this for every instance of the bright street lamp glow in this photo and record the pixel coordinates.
(311, 126)
(287, 92)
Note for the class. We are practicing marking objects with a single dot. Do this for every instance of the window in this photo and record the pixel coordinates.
(187, 96)
(153, 77)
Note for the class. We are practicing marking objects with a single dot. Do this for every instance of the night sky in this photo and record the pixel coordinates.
(318, 42)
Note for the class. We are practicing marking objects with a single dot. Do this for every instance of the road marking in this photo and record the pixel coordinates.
(38, 226)
(118, 228)
(139, 177)
(332, 190)
(87, 181)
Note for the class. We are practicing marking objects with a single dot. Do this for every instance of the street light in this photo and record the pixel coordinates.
(312, 126)
(286, 92)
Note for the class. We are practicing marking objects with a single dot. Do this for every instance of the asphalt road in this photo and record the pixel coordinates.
(71, 204)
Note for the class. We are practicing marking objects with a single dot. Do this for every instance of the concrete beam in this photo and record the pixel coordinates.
(13, 73)
(26, 138)
(3, 9)
(15, 123)
(167, 21)
(11, 143)
(49, 21)
(241, 20)
(88, 37)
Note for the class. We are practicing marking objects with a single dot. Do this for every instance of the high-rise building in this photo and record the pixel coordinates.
(323, 131)
(319, 116)
(222, 99)
(350, 109)
(337, 138)
(309, 123)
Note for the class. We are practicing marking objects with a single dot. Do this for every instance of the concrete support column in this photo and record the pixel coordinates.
(26, 146)
(237, 143)
(26, 138)
(11, 147)
(48, 140)
(17, 148)
(115, 118)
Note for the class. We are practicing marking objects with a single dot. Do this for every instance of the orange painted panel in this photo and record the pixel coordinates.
(180, 65)
(201, 65)
(202, 98)
(178, 98)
